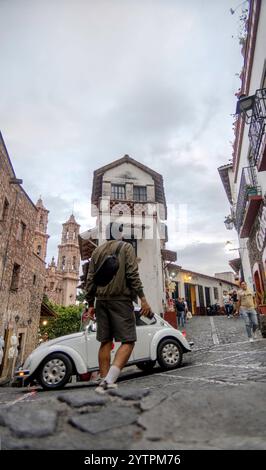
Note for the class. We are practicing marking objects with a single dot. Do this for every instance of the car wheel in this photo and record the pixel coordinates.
(146, 366)
(169, 354)
(55, 371)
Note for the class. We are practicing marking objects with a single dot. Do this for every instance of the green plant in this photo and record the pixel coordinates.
(250, 189)
(261, 297)
(68, 321)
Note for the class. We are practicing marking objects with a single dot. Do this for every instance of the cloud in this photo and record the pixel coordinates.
(85, 83)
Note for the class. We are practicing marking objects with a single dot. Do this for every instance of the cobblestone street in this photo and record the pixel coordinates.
(216, 400)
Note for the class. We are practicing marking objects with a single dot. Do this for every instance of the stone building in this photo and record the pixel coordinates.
(129, 192)
(22, 264)
(62, 278)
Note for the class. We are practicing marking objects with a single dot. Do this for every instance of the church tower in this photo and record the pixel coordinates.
(41, 237)
(69, 261)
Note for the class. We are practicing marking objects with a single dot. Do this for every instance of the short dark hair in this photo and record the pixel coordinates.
(113, 229)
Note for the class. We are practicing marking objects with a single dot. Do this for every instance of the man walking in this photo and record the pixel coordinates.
(114, 305)
(180, 310)
(246, 307)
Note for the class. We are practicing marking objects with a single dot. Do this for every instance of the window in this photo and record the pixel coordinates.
(39, 250)
(34, 279)
(140, 193)
(201, 296)
(5, 210)
(63, 262)
(74, 262)
(15, 277)
(21, 232)
(207, 296)
(118, 191)
(41, 223)
(215, 292)
(51, 285)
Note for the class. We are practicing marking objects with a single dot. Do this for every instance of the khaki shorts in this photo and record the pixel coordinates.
(115, 320)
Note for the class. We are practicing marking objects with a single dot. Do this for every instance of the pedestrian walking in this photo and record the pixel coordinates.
(114, 303)
(228, 304)
(186, 308)
(246, 308)
(234, 300)
(180, 311)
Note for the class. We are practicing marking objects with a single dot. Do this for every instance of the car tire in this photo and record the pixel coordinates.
(146, 366)
(55, 371)
(169, 354)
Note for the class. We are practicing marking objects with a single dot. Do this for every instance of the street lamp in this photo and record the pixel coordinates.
(245, 105)
(229, 223)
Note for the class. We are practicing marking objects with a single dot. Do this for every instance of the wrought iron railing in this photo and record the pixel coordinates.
(257, 127)
(248, 186)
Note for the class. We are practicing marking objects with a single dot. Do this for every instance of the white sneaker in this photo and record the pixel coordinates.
(254, 334)
(251, 340)
(104, 387)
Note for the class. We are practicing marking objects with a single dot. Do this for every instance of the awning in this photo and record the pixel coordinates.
(47, 311)
(252, 210)
(224, 175)
(168, 255)
(235, 264)
(87, 243)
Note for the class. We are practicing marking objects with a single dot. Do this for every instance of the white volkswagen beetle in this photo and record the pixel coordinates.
(53, 363)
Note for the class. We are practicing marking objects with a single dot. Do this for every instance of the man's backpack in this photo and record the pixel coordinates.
(108, 268)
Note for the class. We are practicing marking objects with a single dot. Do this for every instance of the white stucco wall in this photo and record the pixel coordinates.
(255, 84)
(128, 173)
(148, 250)
(199, 280)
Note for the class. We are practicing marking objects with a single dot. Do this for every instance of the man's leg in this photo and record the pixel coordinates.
(246, 318)
(104, 357)
(254, 321)
(122, 356)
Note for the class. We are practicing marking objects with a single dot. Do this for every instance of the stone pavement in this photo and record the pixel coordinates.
(215, 400)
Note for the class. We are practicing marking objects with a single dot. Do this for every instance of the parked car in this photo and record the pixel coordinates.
(53, 363)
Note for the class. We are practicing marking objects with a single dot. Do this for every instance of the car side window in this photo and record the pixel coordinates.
(144, 321)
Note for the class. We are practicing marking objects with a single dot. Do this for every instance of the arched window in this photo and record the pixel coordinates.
(39, 250)
(74, 263)
(63, 262)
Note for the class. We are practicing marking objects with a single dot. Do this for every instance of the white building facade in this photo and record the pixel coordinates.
(245, 179)
(199, 290)
(128, 192)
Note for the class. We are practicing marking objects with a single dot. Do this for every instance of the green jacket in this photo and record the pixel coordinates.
(125, 285)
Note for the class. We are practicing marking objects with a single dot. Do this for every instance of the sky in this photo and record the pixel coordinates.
(84, 82)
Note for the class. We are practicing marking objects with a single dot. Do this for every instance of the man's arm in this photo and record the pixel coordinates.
(133, 278)
(90, 288)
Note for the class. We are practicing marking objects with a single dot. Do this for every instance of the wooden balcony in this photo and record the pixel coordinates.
(251, 212)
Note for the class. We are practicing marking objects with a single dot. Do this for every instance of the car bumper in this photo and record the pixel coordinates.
(21, 378)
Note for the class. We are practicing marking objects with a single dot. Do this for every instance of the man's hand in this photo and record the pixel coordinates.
(91, 313)
(145, 308)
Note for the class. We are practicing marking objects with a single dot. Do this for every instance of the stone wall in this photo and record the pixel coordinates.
(20, 302)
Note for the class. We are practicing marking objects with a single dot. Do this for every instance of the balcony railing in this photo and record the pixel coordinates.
(248, 186)
(257, 127)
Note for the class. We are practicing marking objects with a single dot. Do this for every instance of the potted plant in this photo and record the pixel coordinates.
(251, 190)
(261, 296)
(261, 301)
